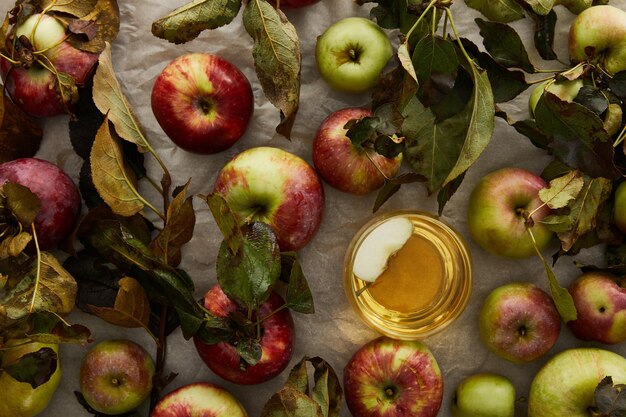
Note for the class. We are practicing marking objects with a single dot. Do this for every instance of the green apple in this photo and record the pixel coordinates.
(599, 34)
(566, 384)
(484, 395)
(19, 399)
(116, 376)
(351, 54)
(619, 207)
(566, 90)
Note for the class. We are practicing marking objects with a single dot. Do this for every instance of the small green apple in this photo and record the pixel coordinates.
(20, 399)
(351, 53)
(484, 395)
(566, 90)
(619, 207)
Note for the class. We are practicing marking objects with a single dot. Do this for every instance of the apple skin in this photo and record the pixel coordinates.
(60, 200)
(566, 384)
(484, 395)
(199, 399)
(19, 398)
(493, 218)
(619, 207)
(566, 90)
(116, 376)
(202, 102)
(601, 306)
(602, 28)
(393, 378)
(351, 54)
(276, 342)
(275, 187)
(343, 165)
(519, 322)
(33, 89)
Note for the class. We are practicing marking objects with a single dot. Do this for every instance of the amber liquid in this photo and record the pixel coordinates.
(413, 278)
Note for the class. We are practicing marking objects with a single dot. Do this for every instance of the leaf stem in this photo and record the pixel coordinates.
(279, 309)
(458, 39)
(376, 166)
(620, 138)
(38, 274)
(419, 19)
(160, 358)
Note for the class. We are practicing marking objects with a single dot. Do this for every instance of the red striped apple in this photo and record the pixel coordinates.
(519, 322)
(34, 88)
(202, 102)
(601, 305)
(348, 168)
(393, 378)
(277, 338)
(60, 200)
(199, 399)
(275, 187)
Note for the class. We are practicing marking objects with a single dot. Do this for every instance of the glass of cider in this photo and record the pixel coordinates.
(425, 285)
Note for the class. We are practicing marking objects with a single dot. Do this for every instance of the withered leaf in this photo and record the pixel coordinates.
(277, 59)
(23, 203)
(115, 183)
(131, 308)
(78, 8)
(20, 135)
(110, 100)
(226, 221)
(12, 246)
(67, 89)
(46, 286)
(186, 22)
(105, 17)
(47, 327)
(178, 230)
(405, 60)
(562, 190)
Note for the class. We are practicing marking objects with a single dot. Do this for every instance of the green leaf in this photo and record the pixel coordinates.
(298, 296)
(23, 203)
(584, 210)
(504, 45)
(111, 101)
(180, 221)
(578, 136)
(393, 185)
(562, 189)
(503, 11)
(435, 62)
(277, 59)
(327, 390)
(250, 350)
(445, 194)
(115, 183)
(558, 223)
(226, 221)
(361, 132)
(47, 327)
(34, 368)
(541, 7)
(248, 277)
(186, 22)
(544, 35)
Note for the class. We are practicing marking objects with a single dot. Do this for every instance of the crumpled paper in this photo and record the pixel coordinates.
(334, 332)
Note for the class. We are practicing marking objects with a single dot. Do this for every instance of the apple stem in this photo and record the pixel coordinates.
(38, 274)
(258, 322)
(12, 61)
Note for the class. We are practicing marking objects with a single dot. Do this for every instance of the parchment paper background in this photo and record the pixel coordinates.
(334, 331)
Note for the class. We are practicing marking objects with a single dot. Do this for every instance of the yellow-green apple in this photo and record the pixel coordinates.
(275, 187)
(199, 399)
(351, 169)
(599, 34)
(202, 102)
(519, 322)
(566, 90)
(619, 207)
(277, 338)
(60, 200)
(393, 378)
(484, 395)
(34, 86)
(351, 54)
(20, 399)
(497, 212)
(601, 305)
(566, 384)
(116, 376)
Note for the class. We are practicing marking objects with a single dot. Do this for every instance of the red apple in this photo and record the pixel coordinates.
(601, 306)
(344, 166)
(116, 376)
(275, 187)
(393, 378)
(277, 340)
(199, 399)
(519, 322)
(60, 201)
(34, 89)
(202, 102)
(497, 209)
